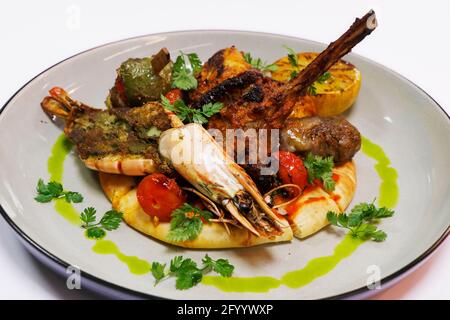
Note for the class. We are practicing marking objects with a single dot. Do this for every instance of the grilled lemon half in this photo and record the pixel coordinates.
(332, 96)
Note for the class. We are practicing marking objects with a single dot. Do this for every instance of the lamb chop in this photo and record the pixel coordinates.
(261, 101)
(253, 100)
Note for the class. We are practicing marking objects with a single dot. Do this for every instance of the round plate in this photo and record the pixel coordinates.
(392, 112)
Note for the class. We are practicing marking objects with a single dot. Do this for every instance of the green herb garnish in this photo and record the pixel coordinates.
(188, 114)
(324, 77)
(320, 168)
(54, 190)
(312, 90)
(292, 56)
(110, 221)
(257, 63)
(186, 223)
(183, 76)
(360, 221)
(187, 273)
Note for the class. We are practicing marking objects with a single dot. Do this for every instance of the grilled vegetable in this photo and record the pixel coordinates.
(141, 80)
(332, 93)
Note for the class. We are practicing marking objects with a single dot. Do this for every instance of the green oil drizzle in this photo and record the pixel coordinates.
(388, 194)
(55, 167)
(318, 267)
(314, 269)
(135, 265)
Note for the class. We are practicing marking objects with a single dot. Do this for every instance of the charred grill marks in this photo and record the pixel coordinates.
(226, 87)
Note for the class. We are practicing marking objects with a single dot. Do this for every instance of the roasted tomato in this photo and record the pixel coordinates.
(159, 195)
(174, 95)
(292, 169)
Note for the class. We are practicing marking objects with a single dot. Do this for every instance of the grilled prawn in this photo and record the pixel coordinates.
(195, 155)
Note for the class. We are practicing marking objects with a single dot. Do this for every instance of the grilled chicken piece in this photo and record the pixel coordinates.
(223, 75)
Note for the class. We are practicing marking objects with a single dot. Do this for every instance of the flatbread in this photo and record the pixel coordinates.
(121, 192)
(307, 214)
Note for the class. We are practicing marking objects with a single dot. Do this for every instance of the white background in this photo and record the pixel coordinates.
(412, 38)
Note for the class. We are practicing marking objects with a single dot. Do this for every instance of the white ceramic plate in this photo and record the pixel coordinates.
(392, 112)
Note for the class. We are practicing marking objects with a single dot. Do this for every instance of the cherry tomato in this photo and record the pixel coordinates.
(292, 169)
(159, 195)
(173, 95)
(120, 88)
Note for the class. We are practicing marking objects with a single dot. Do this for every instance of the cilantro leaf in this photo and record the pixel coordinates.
(42, 187)
(186, 223)
(360, 221)
(188, 114)
(46, 192)
(320, 168)
(166, 103)
(257, 63)
(88, 216)
(182, 76)
(211, 108)
(312, 90)
(158, 271)
(294, 74)
(187, 278)
(221, 266)
(187, 273)
(324, 77)
(95, 233)
(74, 197)
(55, 188)
(43, 198)
(195, 62)
(175, 263)
(292, 56)
(379, 236)
(111, 220)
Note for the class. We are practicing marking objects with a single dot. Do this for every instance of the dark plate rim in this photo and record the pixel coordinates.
(363, 291)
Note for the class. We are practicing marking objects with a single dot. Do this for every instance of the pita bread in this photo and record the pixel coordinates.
(307, 214)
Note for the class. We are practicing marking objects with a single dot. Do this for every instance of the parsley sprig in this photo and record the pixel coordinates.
(259, 64)
(187, 222)
(361, 221)
(188, 114)
(184, 70)
(46, 192)
(187, 272)
(320, 168)
(110, 221)
(293, 60)
(312, 90)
